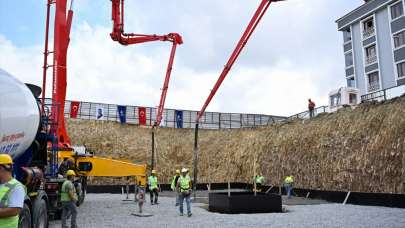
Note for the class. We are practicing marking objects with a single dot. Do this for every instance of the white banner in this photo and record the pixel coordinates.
(100, 113)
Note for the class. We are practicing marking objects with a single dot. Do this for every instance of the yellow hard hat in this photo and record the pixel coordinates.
(70, 173)
(153, 171)
(177, 171)
(5, 159)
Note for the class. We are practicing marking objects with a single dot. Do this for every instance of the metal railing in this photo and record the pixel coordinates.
(371, 59)
(373, 86)
(305, 115)
(210, 120)
(368, 32)
(385, 94)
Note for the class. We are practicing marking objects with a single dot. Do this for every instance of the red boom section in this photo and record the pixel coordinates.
(264, 5)
(63, 22)
(62, 27)
(123, 38)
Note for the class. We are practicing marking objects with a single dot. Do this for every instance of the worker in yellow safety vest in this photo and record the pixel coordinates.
(259, 179)
(12, 194)
(153, 187)
(184, 186)
(68, 197)
(173, 186)
(288, 185)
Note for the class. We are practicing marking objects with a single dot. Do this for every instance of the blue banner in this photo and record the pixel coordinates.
(179, 119)
(122, 112)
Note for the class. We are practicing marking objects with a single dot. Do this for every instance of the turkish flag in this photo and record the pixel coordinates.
(142, 115)
(74, 109)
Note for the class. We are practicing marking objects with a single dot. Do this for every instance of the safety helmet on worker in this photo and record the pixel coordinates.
(153, 171)
(177, 171)
(184, 170)
(70, 173)
(5, 159)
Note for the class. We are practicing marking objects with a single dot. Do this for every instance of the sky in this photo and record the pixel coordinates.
(295, 53)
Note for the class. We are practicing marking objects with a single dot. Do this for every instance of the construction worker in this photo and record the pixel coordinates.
(153, 188)
(184, 186)
(67, 164)
(288, 185)
(173, 186)
(12, 194)
(259, 182)
(311, 108)
(68, 197)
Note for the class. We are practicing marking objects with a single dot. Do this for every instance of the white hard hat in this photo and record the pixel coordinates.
(184, 170)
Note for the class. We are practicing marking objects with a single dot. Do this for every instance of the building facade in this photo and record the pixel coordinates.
(374, 45)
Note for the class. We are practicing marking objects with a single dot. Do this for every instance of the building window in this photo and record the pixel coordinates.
(397, 10)
(373, 82)
(368, 28)
(399, 39)
(347, 35)
(349, 59)
(352, 98)
(371, 55)
(335, 100)
(401, 70)
(351, 82)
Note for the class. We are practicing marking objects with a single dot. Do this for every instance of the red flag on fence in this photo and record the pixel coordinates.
(142, 115)
(74, 109)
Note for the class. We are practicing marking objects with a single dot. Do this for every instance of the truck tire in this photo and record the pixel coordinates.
(81, 190)
(40, 214)
(25, 217)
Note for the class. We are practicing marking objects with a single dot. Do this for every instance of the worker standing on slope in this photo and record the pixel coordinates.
(259, 182)
(311, 108)
(184, 186)
(153, 188)
(174, 186)
(288, 185)
(68, 197)
(12, 194)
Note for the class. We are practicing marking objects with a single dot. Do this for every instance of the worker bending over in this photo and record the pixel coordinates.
(259, 182)
(68, 197)
(184, 186)
(12, 194)
(288, 185)
(174, 186)
(153, 188)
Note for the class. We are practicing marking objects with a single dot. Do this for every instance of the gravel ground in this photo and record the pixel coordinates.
(108, 210)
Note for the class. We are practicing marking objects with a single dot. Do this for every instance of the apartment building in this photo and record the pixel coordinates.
(374, 45)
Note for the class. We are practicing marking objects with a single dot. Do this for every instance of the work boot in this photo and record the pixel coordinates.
(181, 214)
(189, 215)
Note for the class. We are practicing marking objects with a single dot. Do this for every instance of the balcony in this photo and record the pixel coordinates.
(368, 32)
(374, 86)
(371, 59)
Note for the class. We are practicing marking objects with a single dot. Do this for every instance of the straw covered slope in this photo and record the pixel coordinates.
(357, 150)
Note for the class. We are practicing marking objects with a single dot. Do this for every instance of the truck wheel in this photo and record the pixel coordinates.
(40, 214)
(81, 193)
(25, 217)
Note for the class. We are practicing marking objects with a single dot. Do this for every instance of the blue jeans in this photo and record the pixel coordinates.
(187, 197)
(69, 209)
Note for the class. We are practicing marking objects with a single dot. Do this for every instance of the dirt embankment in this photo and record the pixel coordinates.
(357, 150)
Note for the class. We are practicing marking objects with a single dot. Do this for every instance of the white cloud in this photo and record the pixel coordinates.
(293, 56)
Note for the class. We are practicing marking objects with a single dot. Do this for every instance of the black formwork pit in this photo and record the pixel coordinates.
(244, 203)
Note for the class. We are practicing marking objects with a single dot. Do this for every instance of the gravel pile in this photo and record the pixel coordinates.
(108, 210)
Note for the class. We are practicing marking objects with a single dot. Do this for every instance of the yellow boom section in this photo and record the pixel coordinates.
(93, 166)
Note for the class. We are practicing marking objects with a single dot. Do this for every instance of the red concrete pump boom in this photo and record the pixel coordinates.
(62, 26)
(264, 5)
